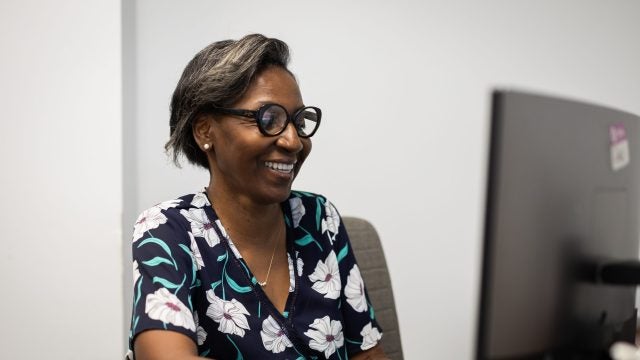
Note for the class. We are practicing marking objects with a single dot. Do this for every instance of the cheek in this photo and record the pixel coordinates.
(228, 155)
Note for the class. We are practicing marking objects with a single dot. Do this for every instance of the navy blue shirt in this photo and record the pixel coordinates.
(190, 278)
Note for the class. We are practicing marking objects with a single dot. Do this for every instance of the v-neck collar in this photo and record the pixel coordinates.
(240, 263)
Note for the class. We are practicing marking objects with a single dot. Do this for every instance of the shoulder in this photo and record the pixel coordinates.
(309, 199)
(174, 213)
(306, 196)
(303, 201)
(314, 211)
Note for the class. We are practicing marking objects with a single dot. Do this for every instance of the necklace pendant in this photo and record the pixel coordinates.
(263, 283)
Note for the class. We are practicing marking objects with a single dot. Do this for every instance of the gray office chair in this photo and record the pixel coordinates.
(373, 267)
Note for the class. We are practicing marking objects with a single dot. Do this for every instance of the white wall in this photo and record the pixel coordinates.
(61, 257)
(404, 87)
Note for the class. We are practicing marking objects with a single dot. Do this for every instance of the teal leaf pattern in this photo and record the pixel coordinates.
(234, 285)
(186, 249)
(239, 355)
(197, 283)
(306, 240)
(138, 293)
(157, 261)
(166, 283)
(135, 322)
(299, 193)
(246, 270)
(318, 213)
(372, 314)
(214, 285)
(194, 267)
(156, 241)
(343, 252)
(162, 244)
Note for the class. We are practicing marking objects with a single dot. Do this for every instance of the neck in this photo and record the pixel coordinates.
(246, 221)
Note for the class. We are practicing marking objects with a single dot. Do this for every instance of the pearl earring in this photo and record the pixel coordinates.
(206, 146)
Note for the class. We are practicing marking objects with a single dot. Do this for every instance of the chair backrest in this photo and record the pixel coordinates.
(373, 267)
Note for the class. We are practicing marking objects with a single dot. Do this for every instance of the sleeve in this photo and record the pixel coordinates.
(361, 330)
(164, 273)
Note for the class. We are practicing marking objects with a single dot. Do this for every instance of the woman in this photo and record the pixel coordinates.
(246, 268)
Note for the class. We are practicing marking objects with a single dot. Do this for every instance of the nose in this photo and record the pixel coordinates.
(289, 139)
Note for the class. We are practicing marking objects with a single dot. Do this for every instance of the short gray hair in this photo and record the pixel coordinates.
(218, 75)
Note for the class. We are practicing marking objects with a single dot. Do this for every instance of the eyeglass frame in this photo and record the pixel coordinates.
(256, 114)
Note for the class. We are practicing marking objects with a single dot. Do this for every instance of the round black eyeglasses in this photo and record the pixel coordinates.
(273, 119)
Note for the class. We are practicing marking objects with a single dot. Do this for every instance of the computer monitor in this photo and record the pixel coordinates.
(561, 229)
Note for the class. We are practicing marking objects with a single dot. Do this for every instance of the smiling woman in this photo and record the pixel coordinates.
(246, 268)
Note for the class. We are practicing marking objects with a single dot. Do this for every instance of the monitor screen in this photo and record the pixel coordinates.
(562, 202)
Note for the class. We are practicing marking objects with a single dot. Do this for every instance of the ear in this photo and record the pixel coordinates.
(203, 132)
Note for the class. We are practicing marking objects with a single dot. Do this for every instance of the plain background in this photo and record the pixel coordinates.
(404, 87)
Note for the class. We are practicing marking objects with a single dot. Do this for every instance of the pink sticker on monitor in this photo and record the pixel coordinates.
(617, 133)
(619, 146)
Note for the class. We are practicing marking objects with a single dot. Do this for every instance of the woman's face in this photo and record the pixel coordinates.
(247, 163)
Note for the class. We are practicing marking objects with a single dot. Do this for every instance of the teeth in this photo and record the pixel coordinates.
(279, 166)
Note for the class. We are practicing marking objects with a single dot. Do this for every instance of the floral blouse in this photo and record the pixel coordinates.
(190, 278)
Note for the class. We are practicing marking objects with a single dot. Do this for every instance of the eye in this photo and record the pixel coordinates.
(268, 118)
(272, 119)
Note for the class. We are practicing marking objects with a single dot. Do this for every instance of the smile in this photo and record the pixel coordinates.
(282, 167)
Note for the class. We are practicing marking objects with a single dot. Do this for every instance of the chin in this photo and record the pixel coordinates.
(275, 196)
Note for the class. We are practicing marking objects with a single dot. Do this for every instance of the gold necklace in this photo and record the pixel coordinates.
(273, 253)
(266, 280)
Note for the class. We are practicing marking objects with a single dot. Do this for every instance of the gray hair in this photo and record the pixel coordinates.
(218, 76)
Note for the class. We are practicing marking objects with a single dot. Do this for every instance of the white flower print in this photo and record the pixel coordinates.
(136, 272)
(299, 263)
(166, 307)
(370, 337)
(202, 334)
(327, 335)
(297, 210)
(231, 315)
(273, 337)
(201, 226)
(354, 290)
(234, 249)
(332, 222)
(292, 274)
(326, 277)
(169, 204)
(223, 231)
(195, 252)
(148, 219)
(200, 200)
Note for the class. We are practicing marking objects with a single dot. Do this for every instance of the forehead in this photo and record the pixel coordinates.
(273, 85)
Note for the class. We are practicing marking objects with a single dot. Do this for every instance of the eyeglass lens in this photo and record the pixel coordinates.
(274, 118)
